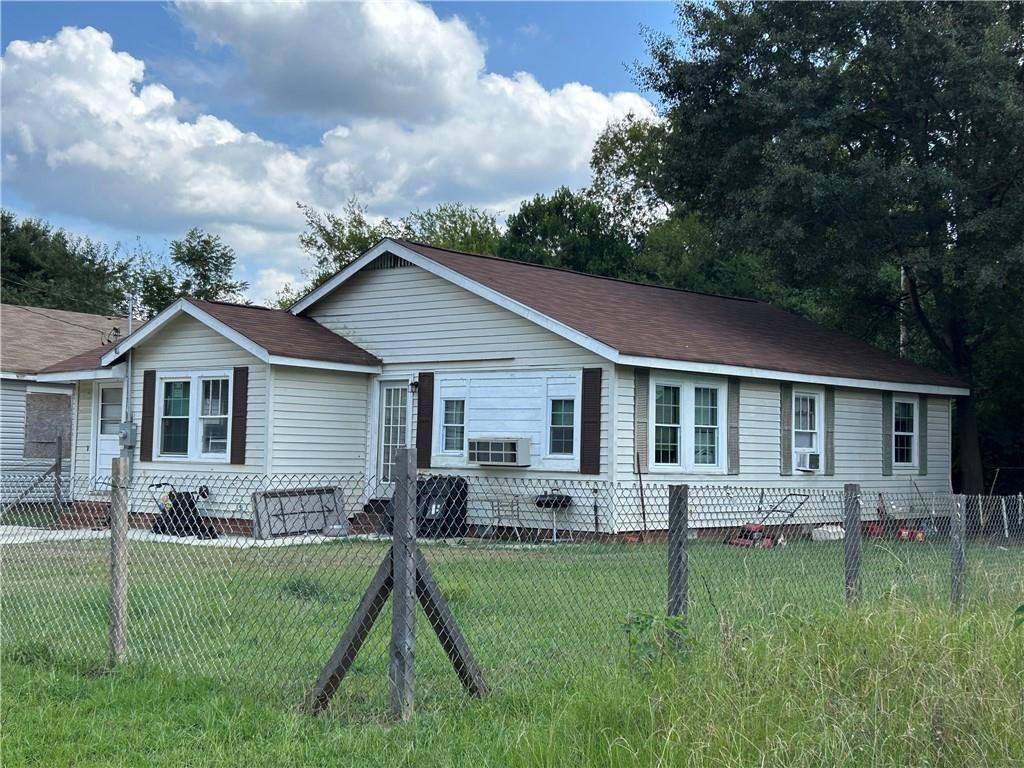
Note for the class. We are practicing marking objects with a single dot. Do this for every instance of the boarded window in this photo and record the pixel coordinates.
(47, 416)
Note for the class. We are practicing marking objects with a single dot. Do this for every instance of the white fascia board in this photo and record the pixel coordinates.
(186, 307)
(325, 365)
(95, 374)
(17, 376)
(802, 378)
(456, 278)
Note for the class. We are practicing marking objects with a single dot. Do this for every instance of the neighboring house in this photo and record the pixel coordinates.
(499, 368)
(33, 413)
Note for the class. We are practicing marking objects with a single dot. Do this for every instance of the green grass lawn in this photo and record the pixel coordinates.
(775, 670)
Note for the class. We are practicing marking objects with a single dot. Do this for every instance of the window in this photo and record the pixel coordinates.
(110, 410)
(394, 401)
(903, 431)
(705, 426)
(667, 412)
(807, 429)
(174, 421)
(561, 427)
(486, 451)
(687, 432)
(214, 417)
(453, 428)
(194, 415)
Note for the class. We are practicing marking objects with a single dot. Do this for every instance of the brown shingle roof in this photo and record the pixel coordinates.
(282, 333)
(673, 324)
(90, 360)
(33, 338)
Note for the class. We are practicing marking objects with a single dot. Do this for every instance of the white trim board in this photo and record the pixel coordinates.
(95, 374)
(598, 347)
(183, 306)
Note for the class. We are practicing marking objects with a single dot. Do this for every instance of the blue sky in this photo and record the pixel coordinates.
(168, 116)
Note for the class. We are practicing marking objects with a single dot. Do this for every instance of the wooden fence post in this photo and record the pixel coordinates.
(118, 559)
(957, 535)
(851, 541)
(58, 465)
(678, 566)
(402, 671)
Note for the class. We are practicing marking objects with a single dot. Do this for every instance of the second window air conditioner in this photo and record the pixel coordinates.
(499, 451)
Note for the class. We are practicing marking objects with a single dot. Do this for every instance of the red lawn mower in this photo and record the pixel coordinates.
(757, 535)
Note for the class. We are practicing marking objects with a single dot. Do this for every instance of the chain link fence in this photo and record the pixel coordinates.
(254, 580)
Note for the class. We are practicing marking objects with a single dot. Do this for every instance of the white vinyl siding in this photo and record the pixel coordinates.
(12, 439)
(416, 322)
(319, 421)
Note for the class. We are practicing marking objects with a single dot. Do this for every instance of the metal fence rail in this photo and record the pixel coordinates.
(253, 579)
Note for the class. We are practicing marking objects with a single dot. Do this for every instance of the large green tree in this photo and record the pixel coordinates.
(567, 229)
(873, 151)
(46, 267)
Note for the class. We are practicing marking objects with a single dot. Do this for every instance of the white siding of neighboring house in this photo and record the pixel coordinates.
(415, 321)
(858, 451)
(18, 471)
(318, 421)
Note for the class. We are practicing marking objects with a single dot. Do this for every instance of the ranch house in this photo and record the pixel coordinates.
(500, 369)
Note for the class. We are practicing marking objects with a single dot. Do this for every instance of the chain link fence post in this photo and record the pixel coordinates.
(957, 536)
(851, 541)
(403, 624)
(678, 565)
(118, 559)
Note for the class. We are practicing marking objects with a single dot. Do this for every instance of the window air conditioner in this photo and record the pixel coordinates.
(808, 462)
(499, 451)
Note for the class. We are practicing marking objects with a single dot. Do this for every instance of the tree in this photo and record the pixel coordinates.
(853, 143)
(44, 267)
(625, 164)
(568, 230)
(200, 265)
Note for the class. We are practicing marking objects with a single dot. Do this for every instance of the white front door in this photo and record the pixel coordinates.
(108, 422)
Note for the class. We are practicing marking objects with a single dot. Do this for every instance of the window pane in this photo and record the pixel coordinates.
(904, 417)
(705, 445)
(903, 449)
(562, 413)
(393, 424)
(804, 439)
(666, 404)
(174, 437)
(176, 397)
(215, 436)
(562, 422)
(561, 440)
(110, 395)
(705, 407)
(215, 397)
(666, 445)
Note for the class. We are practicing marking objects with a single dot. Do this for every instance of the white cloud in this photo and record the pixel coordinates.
(86, 135)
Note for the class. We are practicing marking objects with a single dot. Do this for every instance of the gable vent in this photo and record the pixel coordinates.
(387, 261)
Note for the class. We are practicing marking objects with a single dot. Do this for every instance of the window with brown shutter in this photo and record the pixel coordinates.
(590, 432)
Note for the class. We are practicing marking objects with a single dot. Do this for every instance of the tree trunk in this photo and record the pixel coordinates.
(972, 478)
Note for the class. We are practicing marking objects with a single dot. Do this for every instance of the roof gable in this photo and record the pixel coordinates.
(271, 335)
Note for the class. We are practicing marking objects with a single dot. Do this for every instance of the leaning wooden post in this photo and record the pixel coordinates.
(118, 559)
(402, 671)
(851, 541)
(678, 566)
(957, 536)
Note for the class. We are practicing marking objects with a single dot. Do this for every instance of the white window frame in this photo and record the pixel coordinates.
(195, 379)
(548, 453)
(687, 418)
(819, 429)
(913, 403)
(444, 425)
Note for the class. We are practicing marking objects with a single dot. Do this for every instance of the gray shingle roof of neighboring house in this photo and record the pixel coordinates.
(667, 323)
(34, 338)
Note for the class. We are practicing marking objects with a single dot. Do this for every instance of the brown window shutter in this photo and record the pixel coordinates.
(148, 408)
(887, 433)
(424, 419)
(785, 428)
(590, 429)
(239, 413)
(641, 394)
(732, 434)
(922, 435)
(829, 460)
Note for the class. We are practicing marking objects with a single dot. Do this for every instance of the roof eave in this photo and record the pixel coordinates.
(86, 374)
